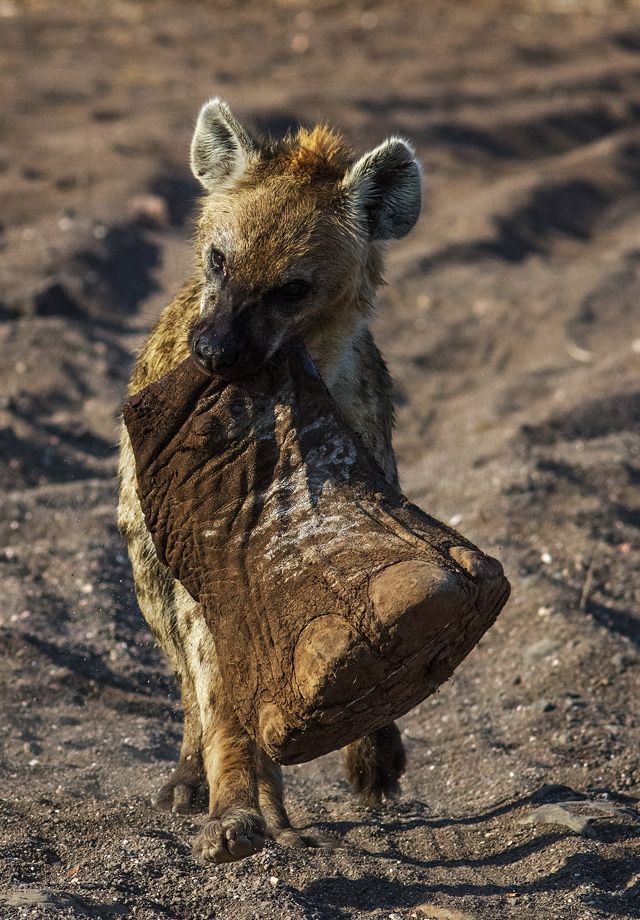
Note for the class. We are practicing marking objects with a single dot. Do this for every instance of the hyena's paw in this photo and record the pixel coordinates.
(375, 764)
(299, 840)
(186, 790)
(236, 834)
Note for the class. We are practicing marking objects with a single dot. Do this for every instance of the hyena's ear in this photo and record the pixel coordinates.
(220, 146)
(387, 188)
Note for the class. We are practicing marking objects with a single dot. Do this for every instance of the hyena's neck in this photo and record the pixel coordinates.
(334, 345)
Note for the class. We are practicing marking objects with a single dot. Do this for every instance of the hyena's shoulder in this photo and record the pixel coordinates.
(167, 344)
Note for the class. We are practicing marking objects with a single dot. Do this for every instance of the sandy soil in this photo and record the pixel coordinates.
(512, 327)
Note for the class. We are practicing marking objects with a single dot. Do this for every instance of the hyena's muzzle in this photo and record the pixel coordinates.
(239, 335)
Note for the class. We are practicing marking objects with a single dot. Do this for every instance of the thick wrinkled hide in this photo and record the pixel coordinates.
(335, 604)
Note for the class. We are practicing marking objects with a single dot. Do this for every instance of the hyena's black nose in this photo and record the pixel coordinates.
(215, 353)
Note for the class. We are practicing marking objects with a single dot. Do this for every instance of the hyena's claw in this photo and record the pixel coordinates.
(235, 835)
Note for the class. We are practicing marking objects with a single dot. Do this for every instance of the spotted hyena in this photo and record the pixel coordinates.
(290, 242)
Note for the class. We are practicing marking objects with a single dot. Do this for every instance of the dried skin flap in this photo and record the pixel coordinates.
(336, 605)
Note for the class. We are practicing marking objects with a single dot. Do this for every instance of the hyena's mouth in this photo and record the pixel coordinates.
(225, 356)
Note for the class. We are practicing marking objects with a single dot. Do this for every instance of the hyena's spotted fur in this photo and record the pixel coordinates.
(296, 227)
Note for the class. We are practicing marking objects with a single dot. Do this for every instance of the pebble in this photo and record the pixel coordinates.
(574, 701)
(150, 210)
(300, 43)
(577, 815)
(31, 897)
(543, 705)
(561, 814)
(541, 649)
(32, 748)
(621, 661)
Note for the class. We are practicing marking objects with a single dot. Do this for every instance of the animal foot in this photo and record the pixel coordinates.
(185, 791)
(375, 764)
(236, 834)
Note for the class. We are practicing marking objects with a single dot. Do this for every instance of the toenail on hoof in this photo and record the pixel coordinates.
(475, 563)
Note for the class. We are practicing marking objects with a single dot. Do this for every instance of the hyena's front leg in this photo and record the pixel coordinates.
(162, 601)
(375, 763)
(235, 828)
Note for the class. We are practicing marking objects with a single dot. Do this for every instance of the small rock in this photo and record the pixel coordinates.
(30, 897)
(300, 43)
(150, 210)
(32, 748)
(369, 20)
(574, 701)
(579, 815)
(561, 814)
(543, 705)
(433, 912)
(541, 649)
(622, 660)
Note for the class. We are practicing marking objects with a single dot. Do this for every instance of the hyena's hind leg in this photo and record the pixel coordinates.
(375, 763)
(186, 789)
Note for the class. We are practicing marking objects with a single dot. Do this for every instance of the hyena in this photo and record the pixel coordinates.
(289, 243)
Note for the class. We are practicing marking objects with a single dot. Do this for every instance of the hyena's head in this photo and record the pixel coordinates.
(289, 239)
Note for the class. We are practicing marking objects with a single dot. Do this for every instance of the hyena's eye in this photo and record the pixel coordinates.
(217, 262)
(293, 291)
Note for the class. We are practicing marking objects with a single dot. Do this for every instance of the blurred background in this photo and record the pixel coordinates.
(511, 324)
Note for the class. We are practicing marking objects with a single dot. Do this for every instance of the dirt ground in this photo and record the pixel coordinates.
(511, 325)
